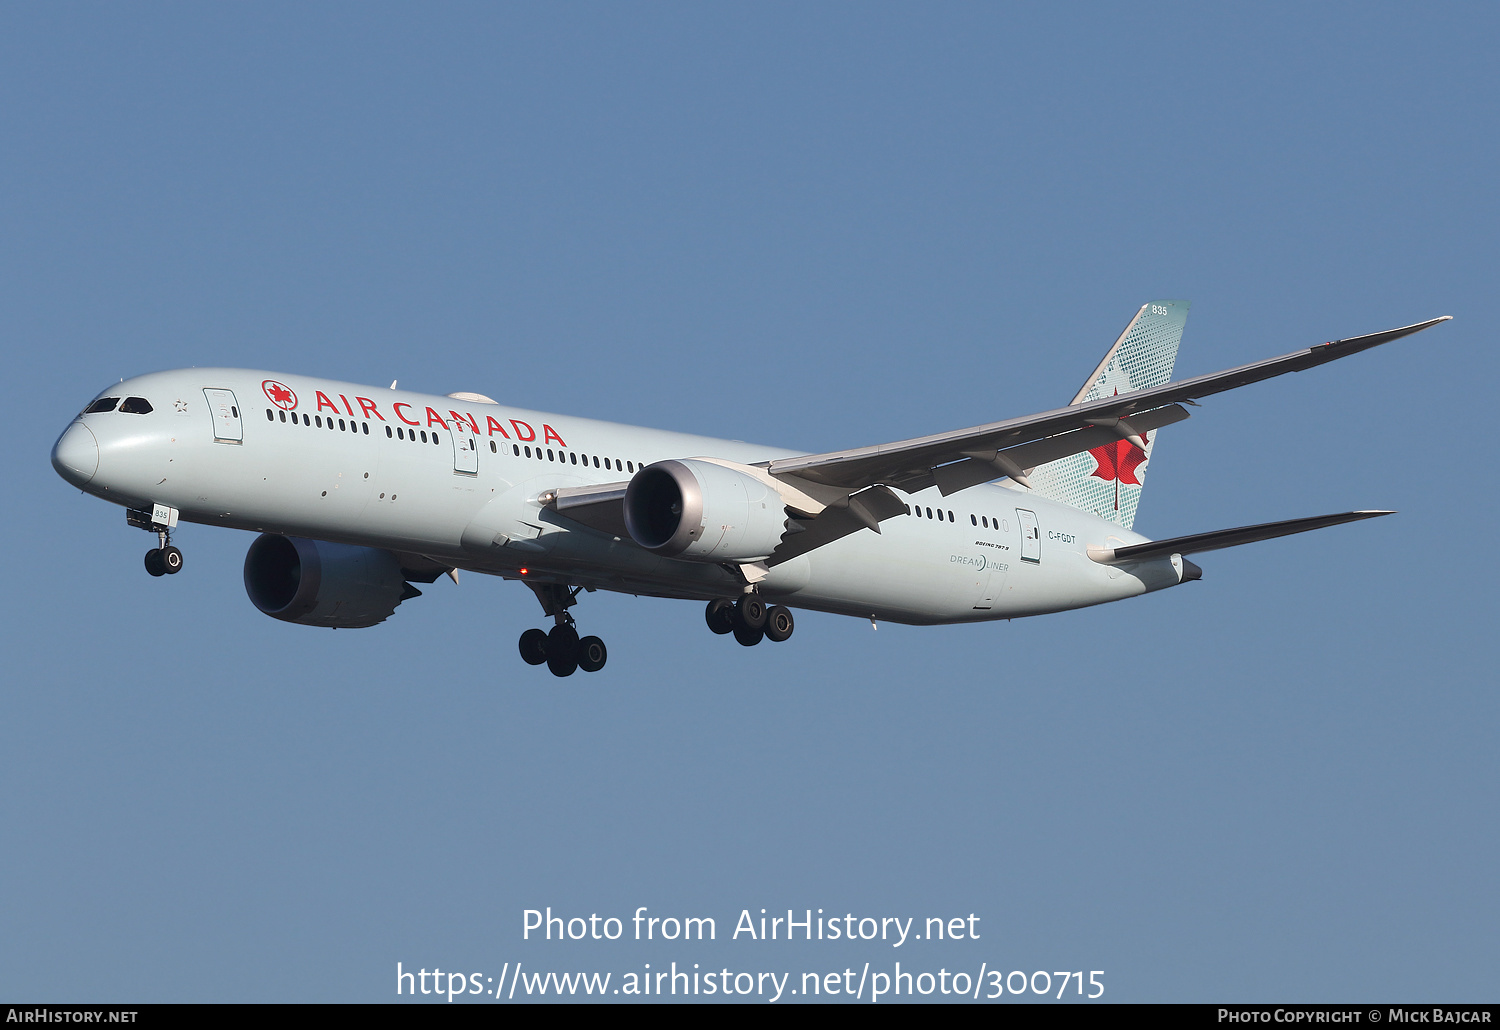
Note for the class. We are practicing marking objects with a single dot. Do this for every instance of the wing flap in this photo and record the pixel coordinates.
(972, 471)
(1199, 542)
(864, 510)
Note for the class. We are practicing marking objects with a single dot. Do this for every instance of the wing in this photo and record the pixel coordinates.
(598, 507)
(965, 457)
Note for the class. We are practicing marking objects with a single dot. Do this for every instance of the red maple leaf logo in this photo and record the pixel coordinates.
(279, 395)
(1118, 461)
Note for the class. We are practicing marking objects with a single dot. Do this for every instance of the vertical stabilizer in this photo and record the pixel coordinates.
(1107, 480)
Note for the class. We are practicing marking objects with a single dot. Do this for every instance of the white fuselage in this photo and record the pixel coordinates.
(395, 470)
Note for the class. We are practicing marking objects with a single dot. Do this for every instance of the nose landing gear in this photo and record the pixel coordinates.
(163, 560)
(560, 648)
(749, 619)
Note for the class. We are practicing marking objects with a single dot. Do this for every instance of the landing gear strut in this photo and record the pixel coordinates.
(560, 648)
(749, 619)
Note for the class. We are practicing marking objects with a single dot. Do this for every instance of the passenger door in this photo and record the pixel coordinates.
(465, 450)
(226, 415)
(1031, 536)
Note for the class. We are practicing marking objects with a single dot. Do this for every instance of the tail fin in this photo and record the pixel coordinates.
(1107, 480)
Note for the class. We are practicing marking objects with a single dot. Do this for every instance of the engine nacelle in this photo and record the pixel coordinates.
(701, 511)
(315, 583)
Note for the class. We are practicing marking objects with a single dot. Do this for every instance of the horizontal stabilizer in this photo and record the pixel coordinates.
(1223, 538)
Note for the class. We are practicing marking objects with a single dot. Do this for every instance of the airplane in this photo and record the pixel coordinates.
(359, 492)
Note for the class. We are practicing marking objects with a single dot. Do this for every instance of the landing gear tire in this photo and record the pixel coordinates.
(154, 563)
(534, 647)
(720, 615)
(779, 623)
(748, 637)
(171, 559)
(592, 654)
(750, 614)
(562, 650)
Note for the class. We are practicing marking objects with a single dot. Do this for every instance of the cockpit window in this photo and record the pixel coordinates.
(102, 404)
(136, 406)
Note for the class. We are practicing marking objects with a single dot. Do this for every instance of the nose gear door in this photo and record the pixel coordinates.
(226, 416)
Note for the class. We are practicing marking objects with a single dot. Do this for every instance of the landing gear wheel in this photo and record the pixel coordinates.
(750, 613)
(534, 647)
(779, 623)
(748, 637)
(171, 559)
(720, 615)
(592, 654)
(562, 650)
(154, 563)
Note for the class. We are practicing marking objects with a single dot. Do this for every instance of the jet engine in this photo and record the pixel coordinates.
(315, 583)
(701, 511)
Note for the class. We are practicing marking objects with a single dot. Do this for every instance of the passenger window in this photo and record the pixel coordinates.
(271, 416)
(493, 448)
(973, 519)
(304, 420)
(549, 455)
(573, 459)
(517, 448)
(630, 466)
(341, 425)
(929, 513)
(424, 436)
(366, 426)
(596, 461)
(986, 520)
(434, 438)
(102, 404)
(141, 406)
(528, 452)
(388, 432)
(319, 420)
(950, 516)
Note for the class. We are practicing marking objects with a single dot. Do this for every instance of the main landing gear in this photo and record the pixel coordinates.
(749, 619)
(560, 648)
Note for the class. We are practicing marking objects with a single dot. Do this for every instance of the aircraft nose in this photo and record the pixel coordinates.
(76, 454)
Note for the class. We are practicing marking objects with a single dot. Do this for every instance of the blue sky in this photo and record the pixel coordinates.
(814, 226)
